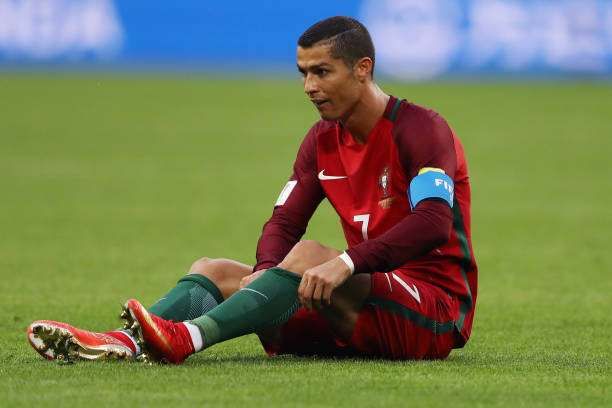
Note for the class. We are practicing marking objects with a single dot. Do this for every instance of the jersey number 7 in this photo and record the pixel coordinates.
(364, 219)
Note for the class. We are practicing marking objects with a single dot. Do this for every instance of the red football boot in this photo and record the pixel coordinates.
(163, 340)
(61, 341)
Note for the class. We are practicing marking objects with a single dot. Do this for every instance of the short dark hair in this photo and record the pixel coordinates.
(349, 39)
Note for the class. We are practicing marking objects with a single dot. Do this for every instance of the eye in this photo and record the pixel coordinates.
(321, 72)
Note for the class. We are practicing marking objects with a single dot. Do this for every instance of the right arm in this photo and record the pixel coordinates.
(293, 209)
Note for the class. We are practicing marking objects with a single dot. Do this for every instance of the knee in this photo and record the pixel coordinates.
(305, 247)
(305, 254)
(211, 268)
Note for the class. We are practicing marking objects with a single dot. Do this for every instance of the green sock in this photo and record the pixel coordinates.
(271, 299)
(192, 296)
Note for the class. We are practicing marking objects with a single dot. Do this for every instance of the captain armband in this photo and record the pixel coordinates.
(431, 183)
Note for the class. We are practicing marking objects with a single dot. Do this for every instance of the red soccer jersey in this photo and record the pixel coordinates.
(368, 185)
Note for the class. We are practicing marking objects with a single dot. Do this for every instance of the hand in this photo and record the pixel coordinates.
(319, 282)
(250, 278)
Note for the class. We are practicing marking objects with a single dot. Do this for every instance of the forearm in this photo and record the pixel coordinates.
(279, 235)
(293, 209)
(425, 229)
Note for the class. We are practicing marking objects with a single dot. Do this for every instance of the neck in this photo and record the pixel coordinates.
(366, 113)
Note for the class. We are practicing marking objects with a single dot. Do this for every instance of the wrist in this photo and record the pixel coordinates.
(346, 259)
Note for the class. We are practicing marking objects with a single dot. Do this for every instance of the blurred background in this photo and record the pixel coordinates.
(137, 136)
(414, 39)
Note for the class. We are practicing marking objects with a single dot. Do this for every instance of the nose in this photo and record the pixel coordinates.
(310, 85)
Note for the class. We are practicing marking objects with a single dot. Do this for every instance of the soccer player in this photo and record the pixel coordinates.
(405, 287)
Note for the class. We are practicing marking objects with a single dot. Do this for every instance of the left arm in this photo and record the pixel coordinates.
(427, 228)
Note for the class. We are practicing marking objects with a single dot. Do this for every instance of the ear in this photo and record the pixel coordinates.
(363, 69)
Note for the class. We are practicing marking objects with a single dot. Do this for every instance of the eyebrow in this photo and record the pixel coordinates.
(314, 67)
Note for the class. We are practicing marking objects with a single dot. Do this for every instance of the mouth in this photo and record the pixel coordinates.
(320, 103)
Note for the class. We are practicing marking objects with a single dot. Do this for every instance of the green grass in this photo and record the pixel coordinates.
(111, 186)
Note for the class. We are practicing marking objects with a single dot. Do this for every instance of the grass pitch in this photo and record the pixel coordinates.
(111, 186)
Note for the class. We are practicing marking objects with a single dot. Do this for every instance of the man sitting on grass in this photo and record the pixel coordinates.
(405, 287)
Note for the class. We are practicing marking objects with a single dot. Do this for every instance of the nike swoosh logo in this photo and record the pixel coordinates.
(322, 176)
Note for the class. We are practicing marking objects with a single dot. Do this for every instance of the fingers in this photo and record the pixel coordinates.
(250, 278)
(305, 291)
(316, 295)
(311, 291)
(326, 295)
(319, 282)
(247, 279)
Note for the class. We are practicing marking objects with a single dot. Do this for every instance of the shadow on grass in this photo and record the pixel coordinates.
(472, 359)
(314, 360)
(565, 360)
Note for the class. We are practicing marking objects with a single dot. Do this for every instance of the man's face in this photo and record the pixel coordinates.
(329, 83)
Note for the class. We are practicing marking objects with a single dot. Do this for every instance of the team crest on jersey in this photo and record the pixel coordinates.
(384, 184)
